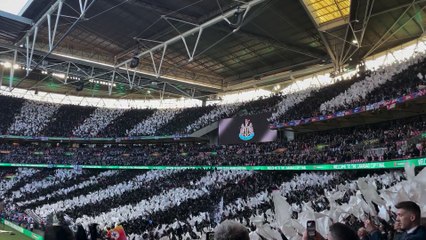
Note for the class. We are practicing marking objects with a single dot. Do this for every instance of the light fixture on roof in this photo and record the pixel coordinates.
(135, 59)
(59, 75)
(9, 65)
(277, 87)
(79, 86)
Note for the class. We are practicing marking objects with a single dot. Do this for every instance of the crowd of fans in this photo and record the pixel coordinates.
(375, 142)
(66, 119)
(288, 102)
(310, 105)
(188, 204)
(177, 125)
(127, 120)
(219, 112)
(9, 108)
(388, 82)
(45, 119)
(32, 118)
(150, 125)
(261, 105)
(97, 121)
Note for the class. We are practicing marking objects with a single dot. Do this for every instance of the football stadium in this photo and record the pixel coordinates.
(212, 119)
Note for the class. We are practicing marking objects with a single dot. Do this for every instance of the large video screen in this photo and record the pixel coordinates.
(253, 128)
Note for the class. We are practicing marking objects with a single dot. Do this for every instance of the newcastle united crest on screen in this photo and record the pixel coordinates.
(246, 130)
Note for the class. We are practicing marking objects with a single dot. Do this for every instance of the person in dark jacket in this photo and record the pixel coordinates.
(397, 231)
(58, 233)
(373, 231)
(409, 215)
(81, 233)
(337, 231)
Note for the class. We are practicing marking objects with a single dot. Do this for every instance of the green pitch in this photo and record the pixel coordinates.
(7, 236)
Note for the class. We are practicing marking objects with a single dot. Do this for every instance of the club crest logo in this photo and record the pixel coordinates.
(115, 235)
(246, 130)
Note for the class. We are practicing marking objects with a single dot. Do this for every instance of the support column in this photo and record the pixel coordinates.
(289, 135)
(1, 75)
(12, 70)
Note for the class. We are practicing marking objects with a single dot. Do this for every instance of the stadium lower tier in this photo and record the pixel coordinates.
(181, 204)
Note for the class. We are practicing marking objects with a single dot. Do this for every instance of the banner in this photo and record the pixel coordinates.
(71, 139)
(24, 231)
(253, 128)
(417, 162)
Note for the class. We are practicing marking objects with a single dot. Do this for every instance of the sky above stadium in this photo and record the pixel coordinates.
(13, 6)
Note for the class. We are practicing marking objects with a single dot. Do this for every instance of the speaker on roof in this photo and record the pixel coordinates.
(134, 62)
(80, 86)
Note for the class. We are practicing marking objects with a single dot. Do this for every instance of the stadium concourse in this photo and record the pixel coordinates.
(261, 119)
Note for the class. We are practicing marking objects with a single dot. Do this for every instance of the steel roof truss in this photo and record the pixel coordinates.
(130, 79)
(56, 8)
(382, 40)
(181, 37)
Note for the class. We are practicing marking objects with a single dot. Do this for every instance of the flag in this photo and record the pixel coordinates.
(348, 112)
(357, 110)
(340, 114)
(408, 97)
(282, 208)
(9, 176)
(117, 233)
(218, 212)
(391, 104)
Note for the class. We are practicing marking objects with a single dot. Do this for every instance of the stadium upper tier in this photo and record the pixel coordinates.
(376, 142)
(31, 118)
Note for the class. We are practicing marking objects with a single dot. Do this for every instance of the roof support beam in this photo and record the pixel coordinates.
(1, 75)
(165, 12)
(367, 16)
(419, 22)
(12, 70)
(383, 39)
(179, 90)
(396, 8)
(194, 30)
(109, 68)
(111, 83)
(323, 38)
(16, 18)
(281, 45)
(359, 34)
(57, 9)
(42, 19)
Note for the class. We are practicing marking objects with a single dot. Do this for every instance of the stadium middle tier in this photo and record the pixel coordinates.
(396, 139)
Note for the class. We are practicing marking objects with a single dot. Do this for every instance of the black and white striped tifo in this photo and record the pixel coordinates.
(187, 203)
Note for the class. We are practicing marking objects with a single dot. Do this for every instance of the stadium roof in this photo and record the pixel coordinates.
(242, 44)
